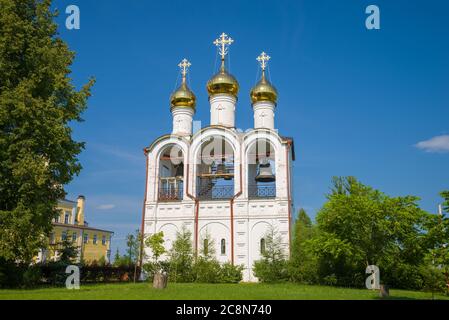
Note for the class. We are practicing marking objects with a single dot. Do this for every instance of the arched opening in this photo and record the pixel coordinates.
(223, 247)
(171, 174)
(262, 246)
(215, 169)
(261, 170)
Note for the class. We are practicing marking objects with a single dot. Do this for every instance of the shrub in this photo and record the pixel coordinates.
(271, 271)
(32, 277)
(402, 276)
(152, 267)
(330, 280)
(10, 274)
(433, 279)
(230, 273)
(209, 270)
(206, 270)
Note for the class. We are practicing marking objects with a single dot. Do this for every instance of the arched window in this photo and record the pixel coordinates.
(206, 247)
(215, 169)
(171, 174)
(261, 170)
(223, 246)
(262, 246)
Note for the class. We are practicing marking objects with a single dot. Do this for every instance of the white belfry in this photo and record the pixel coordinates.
(225, 187)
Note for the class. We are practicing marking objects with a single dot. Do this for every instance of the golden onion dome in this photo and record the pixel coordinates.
(264, 91)
(223, 82)
(183, 97)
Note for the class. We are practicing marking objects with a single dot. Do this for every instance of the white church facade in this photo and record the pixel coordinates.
(228, 187)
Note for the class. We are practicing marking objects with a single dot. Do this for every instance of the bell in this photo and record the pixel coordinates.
(265, 173)
(179, 170)
(221, 168)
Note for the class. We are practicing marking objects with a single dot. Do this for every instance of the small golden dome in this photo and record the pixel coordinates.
(183, 97)
(264, 91)
(223, 82)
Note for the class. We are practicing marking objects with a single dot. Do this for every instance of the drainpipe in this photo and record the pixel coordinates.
(197, 201)
(232, 215)
(288, 196)
(143, 210)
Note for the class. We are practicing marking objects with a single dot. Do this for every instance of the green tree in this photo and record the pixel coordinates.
(273, 266)
(68, 251)
(445, 196)
(37, 104)
(156, 243)
(102, 261)
(206, 268)
(116, 258)
(302, 264)
(207, 246)
(181, 257)
(360, 226)
(133, 247)
(438, 241)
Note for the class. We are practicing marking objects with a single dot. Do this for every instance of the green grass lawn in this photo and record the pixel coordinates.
(190, 291)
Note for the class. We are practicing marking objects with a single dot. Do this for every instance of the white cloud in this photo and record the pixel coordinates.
(435, 144)
(118, 152)
(106, 206)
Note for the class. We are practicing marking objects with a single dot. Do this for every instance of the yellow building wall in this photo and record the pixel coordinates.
(94, 251)
(89, 251)
(63, 210)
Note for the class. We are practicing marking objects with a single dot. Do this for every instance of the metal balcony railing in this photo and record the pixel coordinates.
(213, 192)
(261, 191)
(170, 193)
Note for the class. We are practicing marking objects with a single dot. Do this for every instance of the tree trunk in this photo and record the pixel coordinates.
(160, 280)
(384, 291)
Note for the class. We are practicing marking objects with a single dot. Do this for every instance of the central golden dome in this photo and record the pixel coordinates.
(183, 97)
(264, 91)
(223, 82)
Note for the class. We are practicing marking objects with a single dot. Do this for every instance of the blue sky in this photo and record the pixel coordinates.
(356, 101)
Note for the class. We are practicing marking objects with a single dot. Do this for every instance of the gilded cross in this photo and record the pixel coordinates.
(184, 65)
(223, 43)
(263, 60)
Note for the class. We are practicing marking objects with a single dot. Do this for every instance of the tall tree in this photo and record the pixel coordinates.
(273, 265)
(133, 247)
(68, 250)
(445, 196)
(181, 257)
(360, 226)
(156, 243)
(438, 240)
(302, 263)
(37, 104)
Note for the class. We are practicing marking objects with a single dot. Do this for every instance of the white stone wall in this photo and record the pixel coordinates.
(222, 110)
(264, 114)
(182, 121)
(252, 218)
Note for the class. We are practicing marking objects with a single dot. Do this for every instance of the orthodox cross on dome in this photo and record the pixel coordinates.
(184, 65)
(263, 60)
(223, 43)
